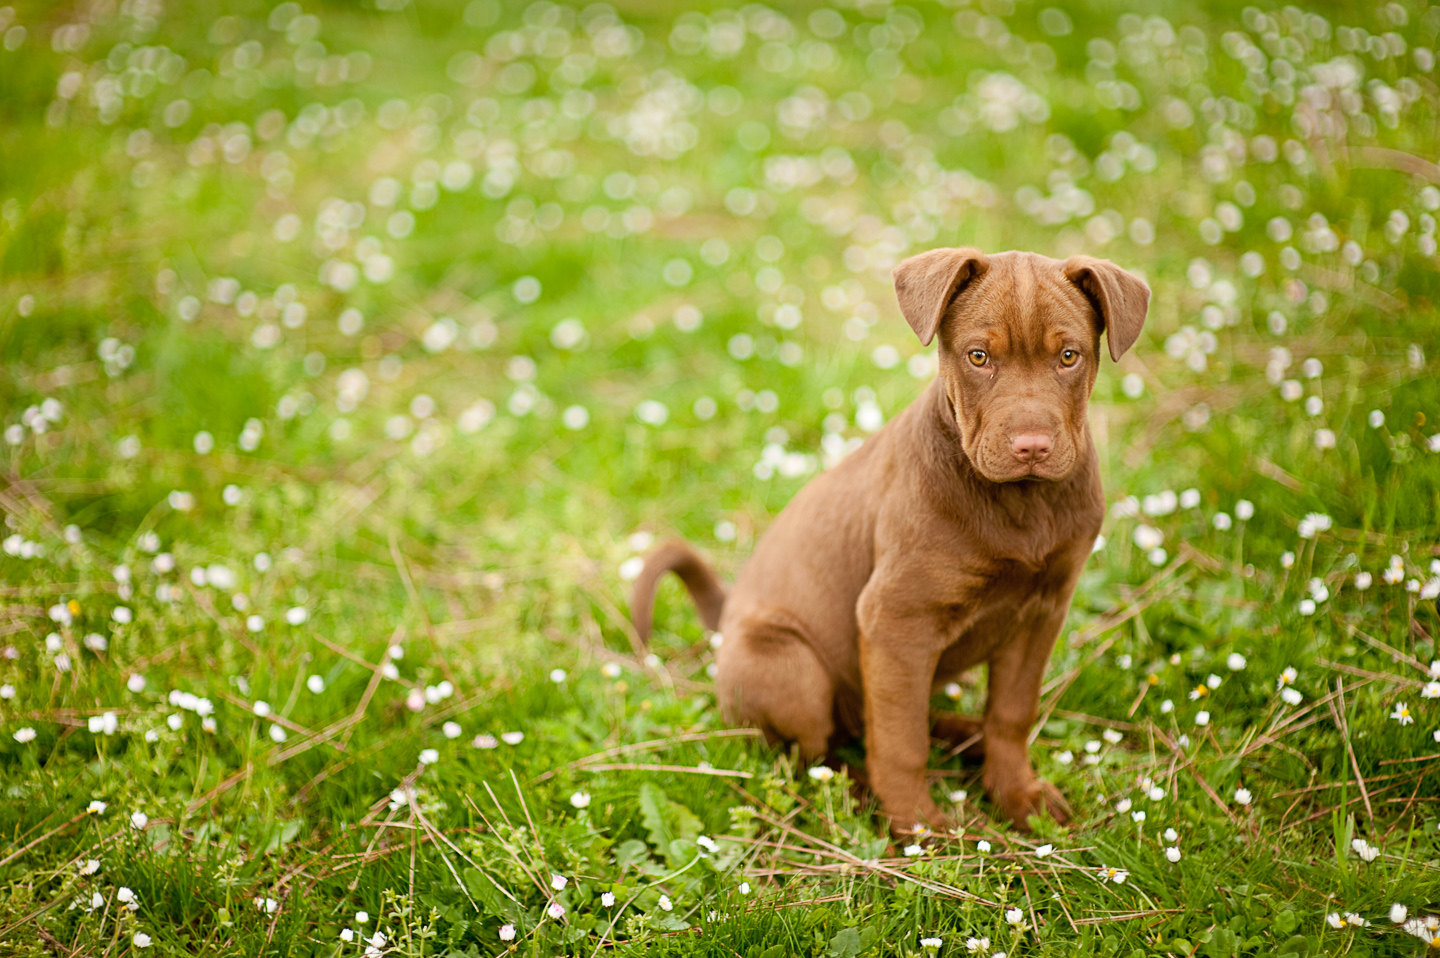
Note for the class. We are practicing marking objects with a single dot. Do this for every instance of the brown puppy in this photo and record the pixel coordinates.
(953, 537)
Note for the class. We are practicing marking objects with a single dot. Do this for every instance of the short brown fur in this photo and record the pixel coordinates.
(952, 538)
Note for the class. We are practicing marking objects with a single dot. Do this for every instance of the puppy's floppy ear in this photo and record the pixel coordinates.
(1119, 297)
(926, 283)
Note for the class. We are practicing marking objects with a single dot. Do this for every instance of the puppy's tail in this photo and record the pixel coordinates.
(675, 555)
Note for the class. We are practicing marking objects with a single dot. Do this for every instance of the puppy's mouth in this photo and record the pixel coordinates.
(1004, 467)
(1038, 472)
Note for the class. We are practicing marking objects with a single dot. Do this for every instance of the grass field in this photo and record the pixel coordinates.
(350, 353)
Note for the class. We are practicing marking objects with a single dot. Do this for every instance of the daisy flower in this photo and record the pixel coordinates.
(1347, 920)
(1395, 572)
(1427, 929)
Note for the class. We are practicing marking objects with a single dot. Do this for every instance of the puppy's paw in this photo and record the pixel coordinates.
(936, 827)
(916, 818)
(1038, 797)
(1055, 803)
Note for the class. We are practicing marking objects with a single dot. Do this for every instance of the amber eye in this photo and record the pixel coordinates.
(978, 357)
(1069, 357)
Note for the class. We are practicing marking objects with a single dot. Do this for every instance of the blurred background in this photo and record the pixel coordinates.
(350, 353)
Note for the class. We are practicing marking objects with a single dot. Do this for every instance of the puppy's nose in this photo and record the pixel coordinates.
(1031, 447)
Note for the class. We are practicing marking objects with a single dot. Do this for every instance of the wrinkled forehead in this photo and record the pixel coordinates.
(1023, 303)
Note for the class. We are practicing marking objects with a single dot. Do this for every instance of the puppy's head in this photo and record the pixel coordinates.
(1020, 347)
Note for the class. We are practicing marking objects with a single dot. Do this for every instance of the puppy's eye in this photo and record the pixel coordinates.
(978, 357)
(1069, 357)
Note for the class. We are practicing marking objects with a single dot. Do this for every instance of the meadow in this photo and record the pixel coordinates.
(351, 354)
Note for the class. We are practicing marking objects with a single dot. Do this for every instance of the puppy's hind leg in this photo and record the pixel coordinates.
(964, 734)
(768, 677)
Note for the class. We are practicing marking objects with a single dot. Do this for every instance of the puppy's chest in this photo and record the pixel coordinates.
(1027, 542)
(1009, 591)
(1011, 600)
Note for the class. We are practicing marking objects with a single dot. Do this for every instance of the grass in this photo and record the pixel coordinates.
(624, 273)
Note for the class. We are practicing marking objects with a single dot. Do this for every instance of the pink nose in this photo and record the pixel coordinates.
(1032, 447)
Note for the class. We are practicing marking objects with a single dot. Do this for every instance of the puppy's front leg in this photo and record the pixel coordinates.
(898, 656)
(1011, 709)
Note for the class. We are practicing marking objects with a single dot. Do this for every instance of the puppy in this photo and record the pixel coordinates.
(952, 538)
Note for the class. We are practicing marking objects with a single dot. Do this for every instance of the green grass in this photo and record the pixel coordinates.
(172, 181)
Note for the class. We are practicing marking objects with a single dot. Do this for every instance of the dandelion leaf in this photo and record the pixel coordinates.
(668, 823)
(846, 944)
(483, 890)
